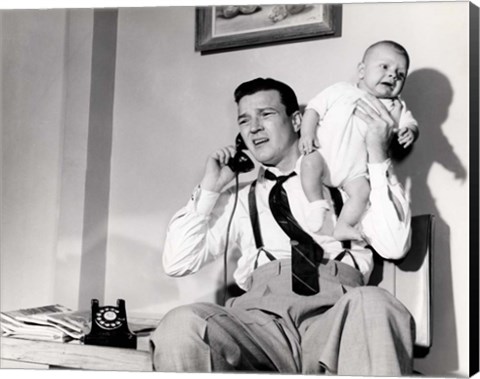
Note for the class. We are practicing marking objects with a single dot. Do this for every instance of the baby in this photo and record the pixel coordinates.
(333, 139)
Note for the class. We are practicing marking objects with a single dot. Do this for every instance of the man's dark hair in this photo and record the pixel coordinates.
(399, 48)
(287, 95)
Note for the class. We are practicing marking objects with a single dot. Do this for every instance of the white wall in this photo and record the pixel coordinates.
(32, 66)
(174, 106)
(46, 90)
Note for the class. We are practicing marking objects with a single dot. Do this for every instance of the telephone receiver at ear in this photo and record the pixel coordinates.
(241, 162)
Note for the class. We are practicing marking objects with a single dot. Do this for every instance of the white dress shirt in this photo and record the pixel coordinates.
(197, 233)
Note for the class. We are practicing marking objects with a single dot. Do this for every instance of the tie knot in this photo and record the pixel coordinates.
(279, 179)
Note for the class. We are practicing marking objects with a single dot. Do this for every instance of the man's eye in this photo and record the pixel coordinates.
(242, 121)
(266, 114)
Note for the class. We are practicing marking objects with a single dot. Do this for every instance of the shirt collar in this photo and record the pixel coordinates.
(277, 172)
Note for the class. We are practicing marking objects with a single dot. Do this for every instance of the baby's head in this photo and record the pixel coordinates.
(383, 69)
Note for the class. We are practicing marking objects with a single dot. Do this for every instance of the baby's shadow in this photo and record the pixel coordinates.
(429, 94)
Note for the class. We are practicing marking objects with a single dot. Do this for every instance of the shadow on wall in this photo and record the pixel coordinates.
(428, 94)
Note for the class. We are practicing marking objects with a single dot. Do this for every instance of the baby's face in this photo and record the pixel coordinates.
(383, 72)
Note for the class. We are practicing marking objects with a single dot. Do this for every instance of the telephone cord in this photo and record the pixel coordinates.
(225, 260)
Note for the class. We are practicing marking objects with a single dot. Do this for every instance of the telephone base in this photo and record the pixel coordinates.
(128, 341)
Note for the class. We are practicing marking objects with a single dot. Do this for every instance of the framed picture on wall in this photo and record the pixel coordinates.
(235, 26)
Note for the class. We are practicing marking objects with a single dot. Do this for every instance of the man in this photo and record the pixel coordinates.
(340, 326)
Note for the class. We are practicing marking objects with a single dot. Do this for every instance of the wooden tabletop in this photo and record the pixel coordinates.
(76, 355)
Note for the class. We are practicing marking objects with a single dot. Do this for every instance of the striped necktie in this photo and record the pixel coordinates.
(306, 253)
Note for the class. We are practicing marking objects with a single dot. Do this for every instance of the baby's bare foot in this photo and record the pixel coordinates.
(316, 215)
(345, 232)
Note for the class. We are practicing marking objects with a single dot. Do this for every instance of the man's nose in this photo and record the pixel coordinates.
(256, 125)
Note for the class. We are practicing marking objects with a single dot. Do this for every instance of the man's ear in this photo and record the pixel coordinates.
(296, 118)
(361, 70)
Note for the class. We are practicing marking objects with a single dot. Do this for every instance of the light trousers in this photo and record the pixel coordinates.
(346, 329)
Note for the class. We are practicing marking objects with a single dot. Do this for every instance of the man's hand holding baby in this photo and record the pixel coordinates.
(381, 127)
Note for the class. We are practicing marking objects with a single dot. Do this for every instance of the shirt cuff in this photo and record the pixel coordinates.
(204, 201)
(380, 173)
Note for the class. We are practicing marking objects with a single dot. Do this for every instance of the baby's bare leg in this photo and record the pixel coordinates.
(358, 191)
(311, 173)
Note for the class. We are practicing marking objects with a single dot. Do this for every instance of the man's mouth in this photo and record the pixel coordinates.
(259, 141)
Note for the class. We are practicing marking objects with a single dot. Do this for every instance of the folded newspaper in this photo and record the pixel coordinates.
(58, 323)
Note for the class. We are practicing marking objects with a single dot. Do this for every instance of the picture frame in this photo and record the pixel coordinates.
(220, 28)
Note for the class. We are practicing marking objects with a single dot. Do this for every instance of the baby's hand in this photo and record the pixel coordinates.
(308, 143)
(396, 111)
(405, 137)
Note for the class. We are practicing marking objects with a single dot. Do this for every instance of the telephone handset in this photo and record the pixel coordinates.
(110, 327)
(240, 162)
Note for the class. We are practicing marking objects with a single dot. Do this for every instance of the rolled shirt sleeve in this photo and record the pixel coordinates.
(192, 232)
(386, 224)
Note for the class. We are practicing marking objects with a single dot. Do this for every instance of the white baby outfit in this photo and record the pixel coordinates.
(341, 135)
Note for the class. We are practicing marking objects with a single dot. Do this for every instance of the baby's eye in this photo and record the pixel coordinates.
(384, 66)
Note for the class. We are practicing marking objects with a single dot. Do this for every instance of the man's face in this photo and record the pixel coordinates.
(268, 132)
(383, 72)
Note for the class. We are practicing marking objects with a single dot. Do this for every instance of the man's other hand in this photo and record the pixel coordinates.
(217, 173)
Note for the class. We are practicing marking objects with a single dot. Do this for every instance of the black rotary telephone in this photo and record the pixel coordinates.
(109, 326)
(240, 162)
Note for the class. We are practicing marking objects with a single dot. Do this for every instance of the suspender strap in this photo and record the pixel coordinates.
(340, 256)
(337, 207)
(252, 207)
(268, 255)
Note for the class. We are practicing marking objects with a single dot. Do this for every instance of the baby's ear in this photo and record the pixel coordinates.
(361, 70)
